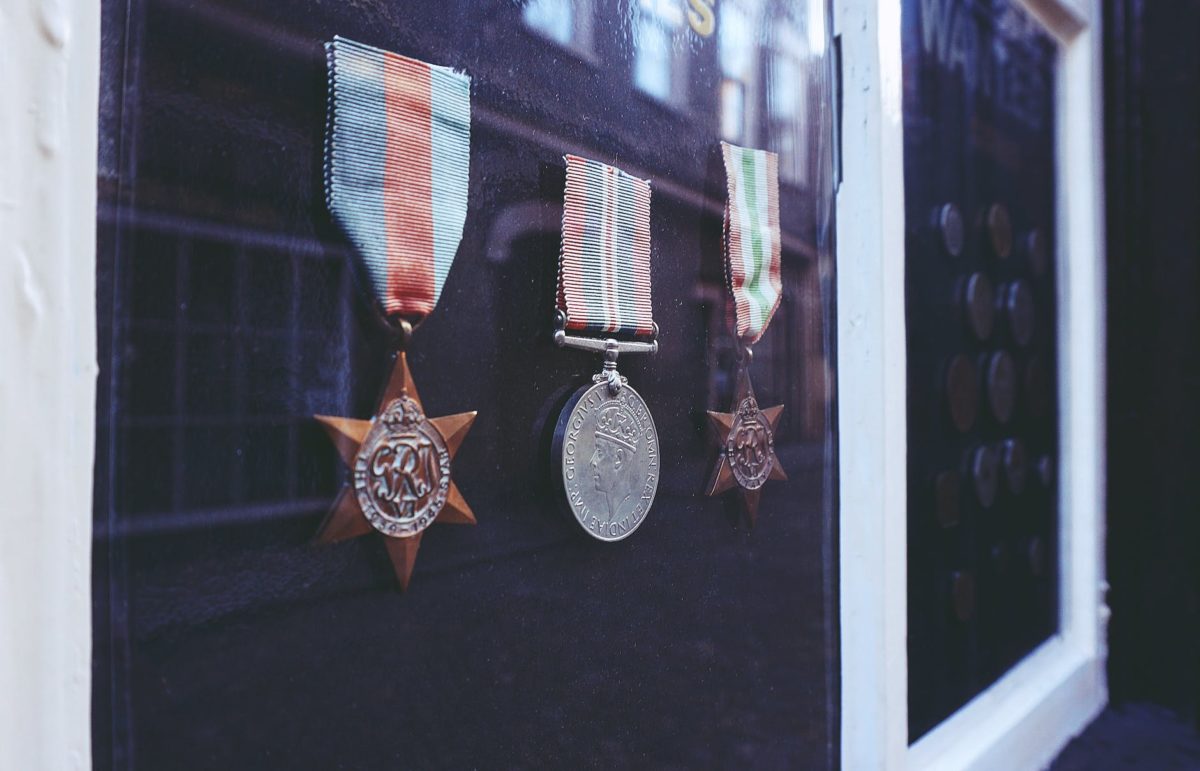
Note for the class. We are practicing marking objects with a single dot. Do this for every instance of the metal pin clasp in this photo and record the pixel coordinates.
(597, 345)
(610, 347)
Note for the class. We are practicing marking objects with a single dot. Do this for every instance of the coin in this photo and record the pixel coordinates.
(1018, 307)
(984, 473)
(950, 226)
(1015, 465)
(1001, 385)
(999, 230)
(979, 305)
(607, 448)
(402, 470)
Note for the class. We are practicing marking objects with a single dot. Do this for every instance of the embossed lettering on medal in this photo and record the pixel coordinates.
(605, 443)
(609, 459)
(750, 445)
(402, 471)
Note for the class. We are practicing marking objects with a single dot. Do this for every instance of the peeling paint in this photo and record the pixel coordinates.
(49, 78)
(34, 299)
(54, 22)
(51, 109)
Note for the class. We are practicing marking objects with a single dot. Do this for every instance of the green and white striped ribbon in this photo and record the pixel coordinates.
(752, 238)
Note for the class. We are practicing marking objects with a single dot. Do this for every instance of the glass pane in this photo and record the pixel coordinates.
(982, 351)
(231, 313)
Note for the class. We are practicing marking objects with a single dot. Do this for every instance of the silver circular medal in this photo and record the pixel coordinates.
(607, 448)
(402, 470)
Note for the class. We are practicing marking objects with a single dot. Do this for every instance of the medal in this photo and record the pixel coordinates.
(746, 434)
(605, 444)
(396, 162)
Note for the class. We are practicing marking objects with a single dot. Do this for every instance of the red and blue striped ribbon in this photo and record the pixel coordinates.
(397, 154)
(604, 269)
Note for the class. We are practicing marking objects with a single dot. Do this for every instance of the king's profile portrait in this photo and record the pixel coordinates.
(613, 463)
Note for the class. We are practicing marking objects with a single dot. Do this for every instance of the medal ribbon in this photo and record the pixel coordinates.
(397, 152)
(752, 242)
(604, 269)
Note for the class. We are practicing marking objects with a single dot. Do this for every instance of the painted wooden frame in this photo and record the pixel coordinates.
(1025, 718)
(50, 125)
(49, 79)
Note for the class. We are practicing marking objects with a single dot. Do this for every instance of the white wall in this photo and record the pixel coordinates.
(49, 53)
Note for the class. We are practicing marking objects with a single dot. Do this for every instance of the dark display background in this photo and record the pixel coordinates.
(978, 130)
(229, 315)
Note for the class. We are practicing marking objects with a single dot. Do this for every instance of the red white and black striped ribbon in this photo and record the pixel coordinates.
(604, 269)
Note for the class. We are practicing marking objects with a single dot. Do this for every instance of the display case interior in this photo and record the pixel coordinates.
(981, 312)
(231, 312)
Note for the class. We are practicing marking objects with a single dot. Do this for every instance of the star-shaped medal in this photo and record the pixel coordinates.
(400, 463)
(746, 458)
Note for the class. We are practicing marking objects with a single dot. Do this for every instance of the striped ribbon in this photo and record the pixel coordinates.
(752, 244)
(604, 270)
(397, 150)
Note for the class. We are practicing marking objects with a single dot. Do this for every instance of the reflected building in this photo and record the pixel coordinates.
(225, 264)
(661, 51)
(230, 310)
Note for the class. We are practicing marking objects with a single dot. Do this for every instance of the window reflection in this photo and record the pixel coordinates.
(815, 27)
(732, 109)
(767, 55)
(787, 98)
(553, 18)
(660, 58)
(736, 37)
(566, 22)
(738, 54)
(232, 315)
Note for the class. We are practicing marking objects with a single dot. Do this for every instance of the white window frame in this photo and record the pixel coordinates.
(49, 80)
(1025, 718)
(48, 120)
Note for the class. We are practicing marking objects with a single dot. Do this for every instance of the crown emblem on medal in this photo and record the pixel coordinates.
(748, 409)
(400, 468)
(616, 424)
(402, 411)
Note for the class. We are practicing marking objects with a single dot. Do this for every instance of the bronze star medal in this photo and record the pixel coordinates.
(746, 458)
(753, 272)
(397, 153)
(400, 465)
